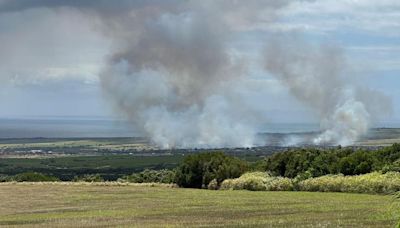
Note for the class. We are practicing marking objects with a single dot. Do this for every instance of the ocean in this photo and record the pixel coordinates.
(97, 127)
(64, 128)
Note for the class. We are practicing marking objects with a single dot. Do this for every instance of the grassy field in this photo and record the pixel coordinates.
(107, 143)
(75, 205)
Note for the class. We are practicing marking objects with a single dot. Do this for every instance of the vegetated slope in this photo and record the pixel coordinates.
(111, 167)
(58, 204)
(316, 162)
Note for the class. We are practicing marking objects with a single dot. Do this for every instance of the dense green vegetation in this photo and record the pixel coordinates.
(299, 164)
(198, 170)
(258, 181)
(373, 183)
(388, 183)
(318, 162)
(89, 178)
(63, 204)
(285, 170)
(110, 167)
(32, 177)
(164, 176)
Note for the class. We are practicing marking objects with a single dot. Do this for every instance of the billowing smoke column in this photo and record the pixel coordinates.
(316, 76)
(173, 74)
(171, 71)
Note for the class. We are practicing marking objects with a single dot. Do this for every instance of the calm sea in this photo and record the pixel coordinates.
(59, 128)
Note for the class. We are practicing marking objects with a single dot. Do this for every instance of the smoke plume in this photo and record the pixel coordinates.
(173, 72)
(174, 76)
(317, 77)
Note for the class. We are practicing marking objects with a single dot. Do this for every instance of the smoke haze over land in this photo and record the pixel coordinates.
(316, 76)
(174, 74)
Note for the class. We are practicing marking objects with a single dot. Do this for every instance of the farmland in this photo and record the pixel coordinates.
(78, 204)
(110, 167)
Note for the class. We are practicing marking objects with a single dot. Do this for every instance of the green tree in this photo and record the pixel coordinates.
(198, 170)
(33, 177)
(151, 176)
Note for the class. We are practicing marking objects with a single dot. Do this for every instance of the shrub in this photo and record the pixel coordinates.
(213, 185)
(376, 183)
(359, 162)
(258, 181)
(151, 176)
(5, 178)
(394, 167)
(368, 183)
(198, 170)
(297, 161)
(89, 178)
(33, 177)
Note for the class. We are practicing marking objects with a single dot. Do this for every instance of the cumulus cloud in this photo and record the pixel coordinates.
(39, 45)
(333, 15)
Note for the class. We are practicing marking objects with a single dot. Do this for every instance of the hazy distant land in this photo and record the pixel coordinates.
(273, 142)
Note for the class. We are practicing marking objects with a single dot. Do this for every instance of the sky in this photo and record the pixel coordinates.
(51, 59)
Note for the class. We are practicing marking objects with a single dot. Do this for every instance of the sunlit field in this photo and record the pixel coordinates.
(79, 204)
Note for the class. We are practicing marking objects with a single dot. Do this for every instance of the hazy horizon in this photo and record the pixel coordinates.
(103, 127)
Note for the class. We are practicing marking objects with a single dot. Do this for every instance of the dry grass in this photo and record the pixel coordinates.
(127, 205)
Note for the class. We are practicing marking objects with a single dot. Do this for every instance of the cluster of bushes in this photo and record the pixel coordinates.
(375, 182)
(380, 183)
(164, 176)
(28, 177)
(40, 177)
(258, 181)
(89, 178)
(198, 170)
(319, 162)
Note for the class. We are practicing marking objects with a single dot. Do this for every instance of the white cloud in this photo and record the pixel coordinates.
(332, 15)
(41, 45)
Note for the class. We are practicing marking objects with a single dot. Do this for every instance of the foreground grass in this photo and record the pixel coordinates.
(76, 205)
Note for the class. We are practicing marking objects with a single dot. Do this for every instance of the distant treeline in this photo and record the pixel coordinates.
(199, 170)
(303, 169)
(210, 169)
(319, 162)
(109, 167)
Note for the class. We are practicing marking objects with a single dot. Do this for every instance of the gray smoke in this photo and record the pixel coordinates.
(174, 74)
(317, 77)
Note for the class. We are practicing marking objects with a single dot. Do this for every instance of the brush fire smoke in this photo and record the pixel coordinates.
(316, 76)
(173, 74)
(174, 78)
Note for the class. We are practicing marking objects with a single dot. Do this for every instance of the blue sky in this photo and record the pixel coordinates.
(50, 60)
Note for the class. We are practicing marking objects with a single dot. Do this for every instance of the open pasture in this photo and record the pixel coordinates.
(95, 205)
